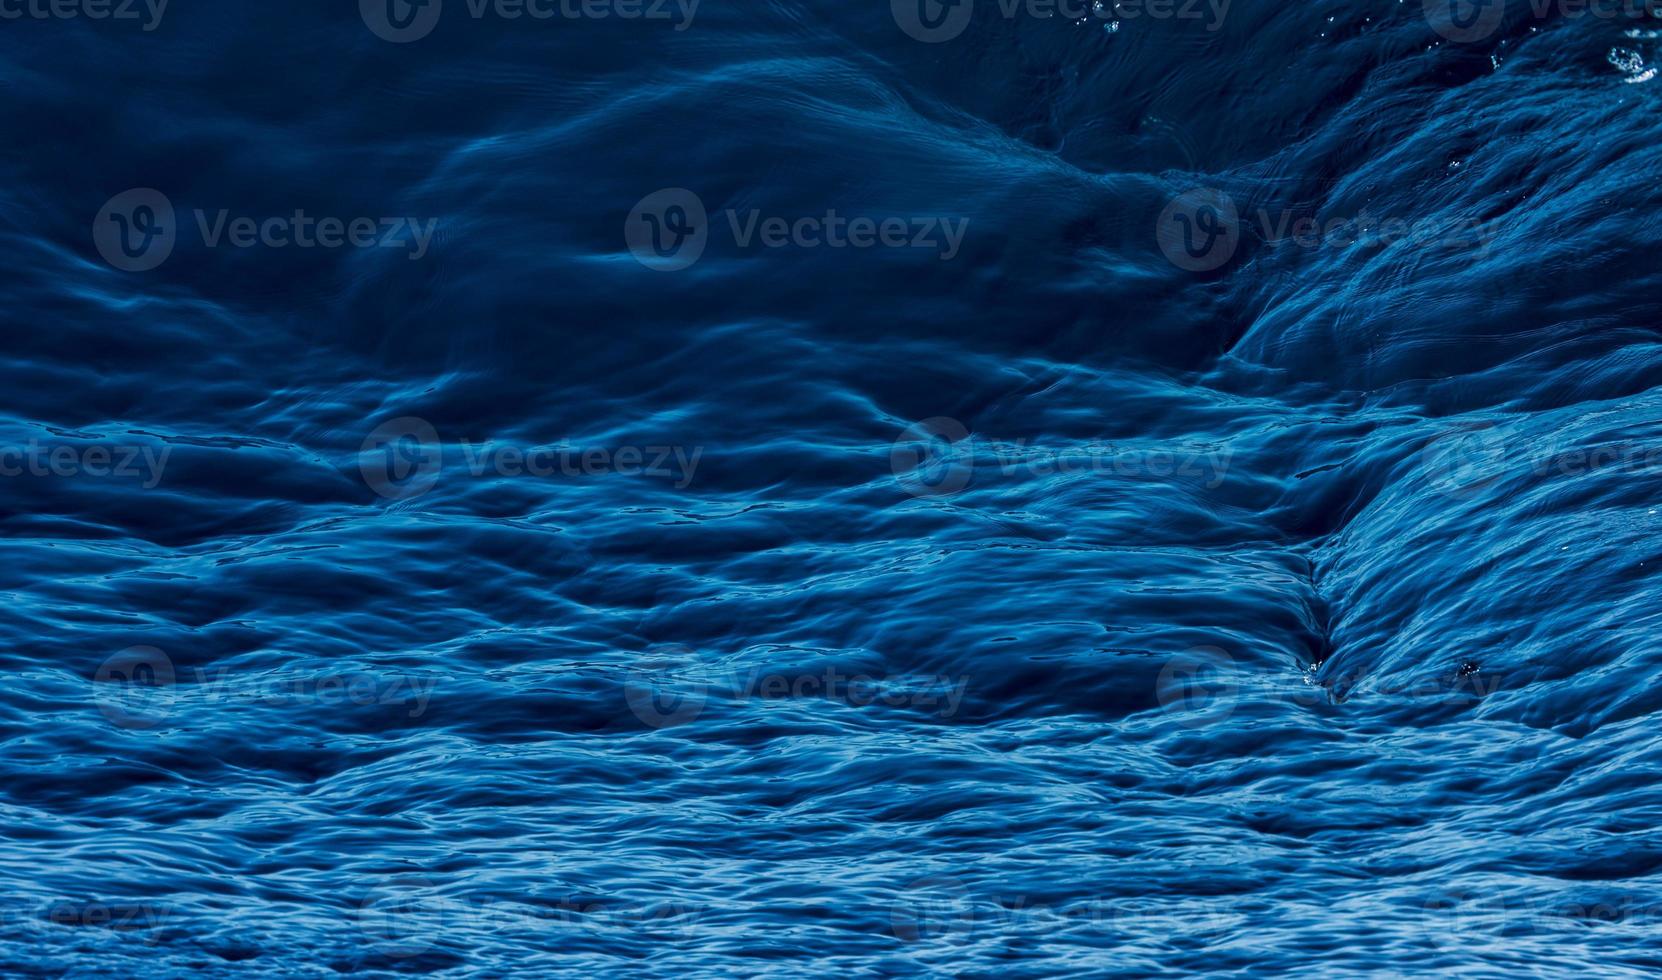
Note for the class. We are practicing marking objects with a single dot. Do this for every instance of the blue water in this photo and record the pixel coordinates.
(801, 491)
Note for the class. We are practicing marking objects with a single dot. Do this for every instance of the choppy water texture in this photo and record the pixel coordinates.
(1236, 553)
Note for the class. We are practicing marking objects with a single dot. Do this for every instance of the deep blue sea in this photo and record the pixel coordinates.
(771, 488)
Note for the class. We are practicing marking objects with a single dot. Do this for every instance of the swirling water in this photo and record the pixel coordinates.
(785, 488)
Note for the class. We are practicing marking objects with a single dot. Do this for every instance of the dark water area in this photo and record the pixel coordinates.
(770, 488)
